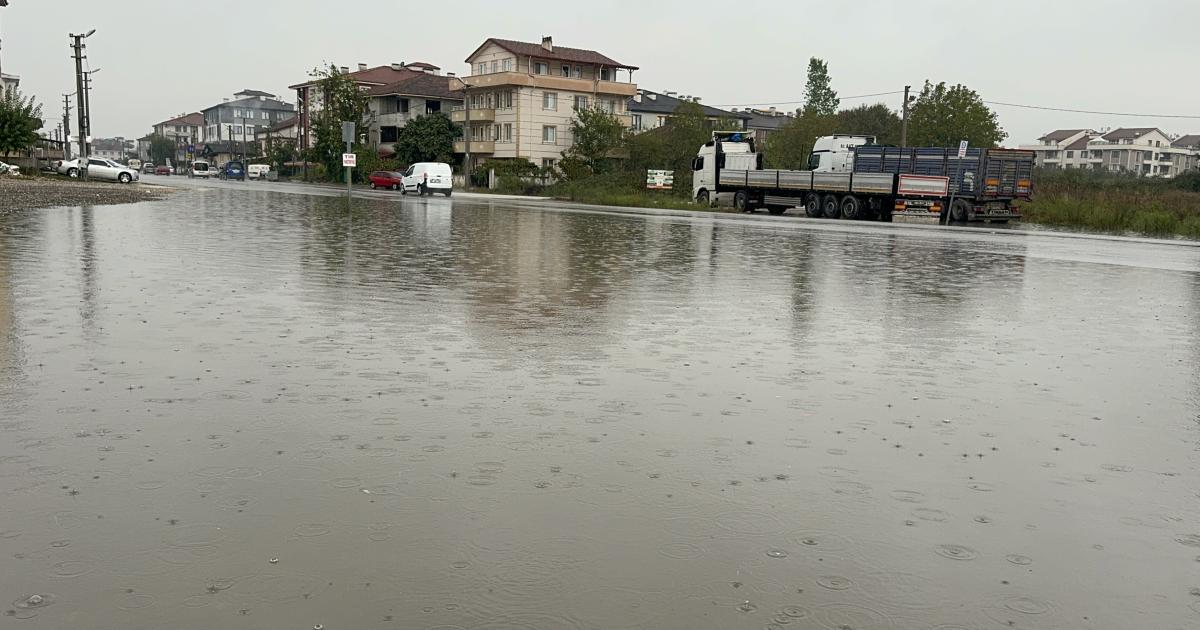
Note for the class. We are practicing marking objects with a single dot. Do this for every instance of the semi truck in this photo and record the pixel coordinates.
(852, 177)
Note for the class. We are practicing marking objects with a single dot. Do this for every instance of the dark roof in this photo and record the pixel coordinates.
(558, 53)
(275, 103)
(422, 65)
(758, 120)
(1128, 132)
(379, 75)
(1061, 134)
(1188, 141)
(284, 124)
(254, 93)
(663, 104)
(195, 119)
(1079, 144)
(421, 84)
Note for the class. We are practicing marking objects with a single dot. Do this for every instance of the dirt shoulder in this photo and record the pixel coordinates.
(28, 193)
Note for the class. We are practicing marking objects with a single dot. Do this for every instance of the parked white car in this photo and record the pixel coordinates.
(200, 168)
(98, 168)
(258, 171)
(428, 178)
(9, 169)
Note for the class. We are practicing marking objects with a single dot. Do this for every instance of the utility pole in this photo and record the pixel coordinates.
(904, 119)
(66, 126)
(80, 108)
(87, 106)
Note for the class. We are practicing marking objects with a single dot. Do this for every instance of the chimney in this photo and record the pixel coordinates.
(362, 66)
(772, 110)
(450, 74)
(345, 70)
(397, 66)
(548, 43)
(695, 99)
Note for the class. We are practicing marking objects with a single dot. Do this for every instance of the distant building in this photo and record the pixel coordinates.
(651, 110)
(9, 81)
(394, 105)
(1144, 151)
(764, 122)
(522, 97)
(239, 118)
(116, 149)
(185, 130)
(310, 102)
(287, 130)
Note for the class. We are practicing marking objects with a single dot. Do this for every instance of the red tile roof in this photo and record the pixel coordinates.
(422, 84)
(195, 119)
(379, 75)
(558, 53)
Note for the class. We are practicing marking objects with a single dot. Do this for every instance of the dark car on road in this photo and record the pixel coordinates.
(386, 179)
(233, 169)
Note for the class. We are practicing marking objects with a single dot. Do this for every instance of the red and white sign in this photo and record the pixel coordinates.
(349, 159)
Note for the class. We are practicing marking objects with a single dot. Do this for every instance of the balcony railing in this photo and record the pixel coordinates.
(477, 146)
(478, 114)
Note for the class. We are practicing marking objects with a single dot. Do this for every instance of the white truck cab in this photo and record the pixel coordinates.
(835, 154)
(737, 150)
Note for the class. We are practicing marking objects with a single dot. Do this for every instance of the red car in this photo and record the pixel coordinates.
(162, 170)
(386, 179)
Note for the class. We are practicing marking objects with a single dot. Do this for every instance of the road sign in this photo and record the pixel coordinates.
(191, 148)
(962, 149)
(660, 180)
(349, 159)
(347, 131)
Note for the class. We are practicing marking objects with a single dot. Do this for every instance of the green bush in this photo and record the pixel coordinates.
(1117, 202)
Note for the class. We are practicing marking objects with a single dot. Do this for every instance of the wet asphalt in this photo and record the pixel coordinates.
(252, 406)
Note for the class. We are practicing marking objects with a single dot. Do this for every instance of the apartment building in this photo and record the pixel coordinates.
(392, 106)
(185, 130)
(240, 117)
(521, 98)
(310, 101)
(764, 122)
(651, 110)
(287, 131)
(1144, 151)
(9, 82)
(115, 149)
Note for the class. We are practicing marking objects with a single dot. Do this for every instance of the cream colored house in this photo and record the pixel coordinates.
(1145, 151)
(521, 98)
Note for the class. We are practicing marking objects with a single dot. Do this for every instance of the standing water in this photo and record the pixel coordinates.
(252, 410)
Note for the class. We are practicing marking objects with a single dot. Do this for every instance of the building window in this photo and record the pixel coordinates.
(549, 134)
(265, 115)
(237, 130)
(637, 122)
(387, 134)
(507, 64)
(402, 104)
(607, 105)
(578, 70)
(481, 68)
(495, 66)
(504, 100)
(566, 70)
(549, 162)
(606, 74)
(1070, 154)
(581, 102)
(662, 120)
(540, 67)
(549, 100)
(507, 137)
(433, 107)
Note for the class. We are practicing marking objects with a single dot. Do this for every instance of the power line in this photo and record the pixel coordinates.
(844, 98)
(1088, 111)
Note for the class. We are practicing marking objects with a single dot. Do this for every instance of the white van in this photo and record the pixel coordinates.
(258, 171)
(428, 178)
(199, 168)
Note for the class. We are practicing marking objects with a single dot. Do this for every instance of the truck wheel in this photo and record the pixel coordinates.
(829, 207)
(960, 211)
(812, 205)
(741, 201)
(851, 208)
(702, 198)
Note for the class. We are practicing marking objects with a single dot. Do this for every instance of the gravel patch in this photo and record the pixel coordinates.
(28, 193)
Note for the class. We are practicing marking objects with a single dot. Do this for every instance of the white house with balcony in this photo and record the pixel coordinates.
(392, 106)
(1063, 148)
(1143, 151)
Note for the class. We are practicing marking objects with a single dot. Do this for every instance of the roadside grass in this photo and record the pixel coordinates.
(1116, 204)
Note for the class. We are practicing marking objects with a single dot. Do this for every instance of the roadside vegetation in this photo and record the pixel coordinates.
(1117, 203)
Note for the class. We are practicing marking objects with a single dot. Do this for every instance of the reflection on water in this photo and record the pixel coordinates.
(457, 414)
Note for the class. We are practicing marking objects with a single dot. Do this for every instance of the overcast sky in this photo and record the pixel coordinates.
(163, 57)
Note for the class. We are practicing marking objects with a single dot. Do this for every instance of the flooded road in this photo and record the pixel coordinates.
(243, 409)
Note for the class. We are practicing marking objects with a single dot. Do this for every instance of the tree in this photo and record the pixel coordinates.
(597, 135)
(342, 101)
(790, 145)
(428, 138)
(672, 147)
(942, 116)
(162, 149)
(819, 98)
(20, 120)
(280, 151)
(871, 120)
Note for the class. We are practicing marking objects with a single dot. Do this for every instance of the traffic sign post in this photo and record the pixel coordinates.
(957, 179)
(349, 160)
